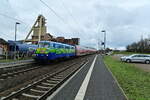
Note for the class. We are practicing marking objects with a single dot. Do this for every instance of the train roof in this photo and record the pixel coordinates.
(85, 47)
(56, 43)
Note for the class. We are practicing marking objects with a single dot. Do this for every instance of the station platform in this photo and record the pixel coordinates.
(16, 63)
(92, 82)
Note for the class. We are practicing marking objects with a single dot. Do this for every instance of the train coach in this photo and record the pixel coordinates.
(21, 49)
(82, 50)
(48, 50)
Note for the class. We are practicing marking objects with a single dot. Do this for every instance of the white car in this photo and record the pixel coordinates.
(143, 58)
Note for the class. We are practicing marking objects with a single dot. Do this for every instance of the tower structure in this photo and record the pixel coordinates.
(39, 30)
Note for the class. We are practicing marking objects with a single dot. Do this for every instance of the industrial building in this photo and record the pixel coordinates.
(39, 33)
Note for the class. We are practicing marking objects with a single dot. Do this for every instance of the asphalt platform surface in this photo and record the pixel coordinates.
(101, 86)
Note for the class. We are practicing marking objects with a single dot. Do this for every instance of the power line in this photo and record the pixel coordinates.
(5, 35)
(52, 10)
(15, 19)
(76, 22)
(12, 18)
(56, 14)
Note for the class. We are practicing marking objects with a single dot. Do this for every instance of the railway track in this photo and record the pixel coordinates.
(5, 70)
(16, 62)
(44, 87)
(15, 65)
(19, 77)
(16, 72)
(11, 72)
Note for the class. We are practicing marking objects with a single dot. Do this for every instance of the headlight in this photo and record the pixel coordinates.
(47, 55)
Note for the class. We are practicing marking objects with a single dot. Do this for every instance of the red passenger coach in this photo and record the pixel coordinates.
(81, 50)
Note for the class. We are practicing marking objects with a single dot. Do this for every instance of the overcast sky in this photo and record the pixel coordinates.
(125, 21)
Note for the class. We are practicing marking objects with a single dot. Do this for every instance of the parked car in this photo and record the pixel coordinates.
(143, 58)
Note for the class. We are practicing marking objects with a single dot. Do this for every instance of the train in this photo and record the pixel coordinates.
(22, 49)
(48, 51)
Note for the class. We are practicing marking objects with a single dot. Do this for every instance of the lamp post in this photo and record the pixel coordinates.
(17, 23)
(104, 31)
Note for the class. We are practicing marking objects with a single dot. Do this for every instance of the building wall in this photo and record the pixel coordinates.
(49, 37)
(36, 31)
(60, 39)
(3, 49)
(73, 41)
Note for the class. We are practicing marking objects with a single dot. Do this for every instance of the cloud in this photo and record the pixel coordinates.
(124, 20)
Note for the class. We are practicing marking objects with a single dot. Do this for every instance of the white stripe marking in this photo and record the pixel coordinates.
(59, 89)
(81, 93)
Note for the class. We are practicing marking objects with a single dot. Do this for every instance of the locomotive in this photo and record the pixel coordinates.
(48, 50)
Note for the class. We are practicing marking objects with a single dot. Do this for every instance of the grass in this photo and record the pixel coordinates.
(12, 60)
(8, 60)
(135, 82)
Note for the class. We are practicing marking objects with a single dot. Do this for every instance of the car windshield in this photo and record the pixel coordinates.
(133, 56)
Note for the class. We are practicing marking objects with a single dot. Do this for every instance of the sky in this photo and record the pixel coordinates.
(125, 21)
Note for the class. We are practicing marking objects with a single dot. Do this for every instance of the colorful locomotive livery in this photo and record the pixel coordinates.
(48, 50)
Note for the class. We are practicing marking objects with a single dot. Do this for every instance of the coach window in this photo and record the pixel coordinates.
(51, 45)
(43, 45)
(46, 45)
(68, 47)
(65, 47)
(56, 45)
(61, 46)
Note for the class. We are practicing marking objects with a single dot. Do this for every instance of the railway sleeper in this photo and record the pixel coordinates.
(47, 84)
(1, 79)
(7, 74)
(35, 93)
(15, 99)
(39, 91)
(30, 96)
(52, 82)
(56, 79)
(44, 87)
(9, 77)
(4, 75)
(59, 75)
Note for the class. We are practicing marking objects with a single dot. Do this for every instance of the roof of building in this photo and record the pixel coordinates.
(2, 41)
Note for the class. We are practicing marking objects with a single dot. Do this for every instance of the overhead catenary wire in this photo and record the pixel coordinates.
(83, 35)
(5, 35)
(15, 19)
(12, 18)
(56, 14)
(74, 19)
